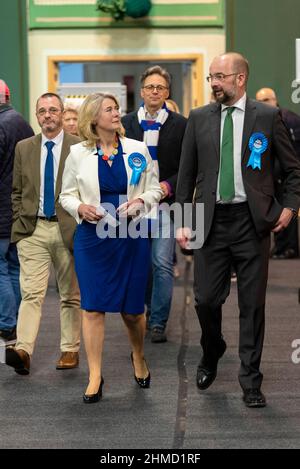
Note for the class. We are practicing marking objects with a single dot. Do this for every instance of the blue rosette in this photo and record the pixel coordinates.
(138, 164)
(258, 143)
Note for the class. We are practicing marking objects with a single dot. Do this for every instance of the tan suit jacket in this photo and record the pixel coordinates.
(26, 189)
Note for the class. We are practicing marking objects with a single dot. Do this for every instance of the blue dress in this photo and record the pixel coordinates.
(112, 272)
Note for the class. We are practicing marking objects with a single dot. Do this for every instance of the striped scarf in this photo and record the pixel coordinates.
(151, 130)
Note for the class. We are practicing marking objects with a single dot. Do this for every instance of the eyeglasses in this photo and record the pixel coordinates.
(158, 88)
(219, 76)
(51, 110)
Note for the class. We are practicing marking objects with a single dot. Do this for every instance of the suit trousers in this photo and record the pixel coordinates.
(233, 241)
(36, 253)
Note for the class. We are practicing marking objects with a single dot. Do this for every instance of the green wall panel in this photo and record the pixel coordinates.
(265, 32)
(14, 61)
(161, 15)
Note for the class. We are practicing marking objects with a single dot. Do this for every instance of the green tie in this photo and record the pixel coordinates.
(227, 173)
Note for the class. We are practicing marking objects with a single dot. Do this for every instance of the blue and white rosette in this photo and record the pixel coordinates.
(137, 163)
(258, 143)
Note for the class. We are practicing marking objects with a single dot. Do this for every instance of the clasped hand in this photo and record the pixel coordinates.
(88, 213)
(134, 208)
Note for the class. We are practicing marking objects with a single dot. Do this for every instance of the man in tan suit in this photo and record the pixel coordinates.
(43, 231)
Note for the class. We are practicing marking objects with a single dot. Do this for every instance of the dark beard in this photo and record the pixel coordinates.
(224, 99)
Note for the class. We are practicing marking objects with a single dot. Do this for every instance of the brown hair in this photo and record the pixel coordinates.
(51, 95)
(157, 70)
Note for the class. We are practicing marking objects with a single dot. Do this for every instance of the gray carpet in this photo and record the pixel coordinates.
(45, 409)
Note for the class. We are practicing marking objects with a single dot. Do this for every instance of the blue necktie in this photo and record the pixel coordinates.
(49, 182)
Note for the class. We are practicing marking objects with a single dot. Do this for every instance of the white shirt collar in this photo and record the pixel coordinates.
(151, 116)
(240, 104)
(57, 140)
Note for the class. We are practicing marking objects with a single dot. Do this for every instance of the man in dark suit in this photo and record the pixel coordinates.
(162, 130)
(228, 156)
(285, 242)
(43, 231)
(13, 128)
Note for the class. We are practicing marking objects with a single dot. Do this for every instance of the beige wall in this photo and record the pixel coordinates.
(43, 44)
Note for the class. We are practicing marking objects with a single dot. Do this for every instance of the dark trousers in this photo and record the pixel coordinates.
(233, 241)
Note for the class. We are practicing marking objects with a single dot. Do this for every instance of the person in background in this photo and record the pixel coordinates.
(13, 128)
(162, 130)
(172, 105)
(112, 270)
(44, 231)
(70, 120)
(228, 155)
(286, 242)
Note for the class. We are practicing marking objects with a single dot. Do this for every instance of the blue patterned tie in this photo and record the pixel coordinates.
(49, 182)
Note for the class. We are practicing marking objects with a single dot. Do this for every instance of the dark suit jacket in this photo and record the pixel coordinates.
(13, 128)
(26, 189)
(199, 166)
(169, 144)
(292, 122)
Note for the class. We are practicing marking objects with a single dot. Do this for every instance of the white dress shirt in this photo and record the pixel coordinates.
(56, 150)
(238, 117)
(151, 117)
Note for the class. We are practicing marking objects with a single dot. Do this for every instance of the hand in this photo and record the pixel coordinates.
(165, 189)
(283, 221)
(88, 212)
(132, 208)
(183, 236)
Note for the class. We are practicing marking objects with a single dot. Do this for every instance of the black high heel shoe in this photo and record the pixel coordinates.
(91, 398)
(142, 382)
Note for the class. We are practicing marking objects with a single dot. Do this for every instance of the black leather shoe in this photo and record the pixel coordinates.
(92, 398)
(205, 377)
(142, 382)
(254, 398)
(205, 374)
(287, 254)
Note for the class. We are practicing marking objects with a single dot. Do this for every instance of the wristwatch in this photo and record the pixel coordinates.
(294, 211)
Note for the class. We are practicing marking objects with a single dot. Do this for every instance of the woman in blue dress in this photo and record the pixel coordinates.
(111, 171)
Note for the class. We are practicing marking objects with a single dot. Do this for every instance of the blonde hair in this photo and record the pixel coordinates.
(172, 105)
(88, 114)
(70, 109)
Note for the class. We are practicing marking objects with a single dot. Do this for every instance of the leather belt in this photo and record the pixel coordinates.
(53, 218)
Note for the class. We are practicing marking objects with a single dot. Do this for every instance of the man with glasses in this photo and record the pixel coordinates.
(162, 130)
(43, 232)
(228, 156)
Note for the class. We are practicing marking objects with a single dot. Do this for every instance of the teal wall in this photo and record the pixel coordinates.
(265, 32)
(14, 59)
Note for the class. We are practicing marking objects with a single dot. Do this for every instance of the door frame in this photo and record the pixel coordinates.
(197, 74)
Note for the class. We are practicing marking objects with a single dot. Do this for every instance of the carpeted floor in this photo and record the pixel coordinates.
(45, 409)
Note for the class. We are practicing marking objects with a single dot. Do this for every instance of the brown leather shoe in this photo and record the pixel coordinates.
(68, 360)
(18, 359)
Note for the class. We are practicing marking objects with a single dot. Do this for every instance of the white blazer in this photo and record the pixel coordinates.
(80, 183)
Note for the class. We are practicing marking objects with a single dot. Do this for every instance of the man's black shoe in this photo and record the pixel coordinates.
(287, 254)
(205, 377)
(254, 398)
